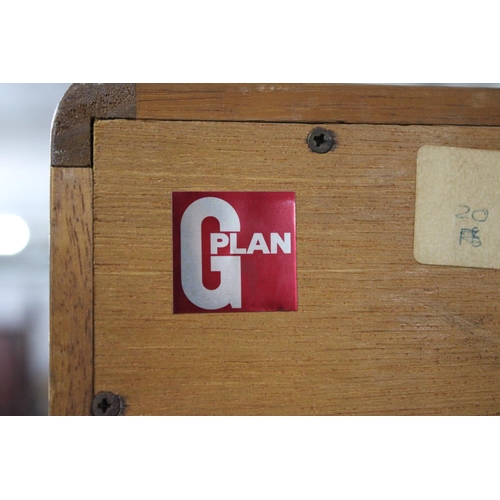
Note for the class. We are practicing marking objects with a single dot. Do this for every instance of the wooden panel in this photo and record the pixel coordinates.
(320, 103)
(71, 283)
(376, 332)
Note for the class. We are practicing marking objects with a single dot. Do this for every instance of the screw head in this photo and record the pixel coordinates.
(107, 404)
(321, 140)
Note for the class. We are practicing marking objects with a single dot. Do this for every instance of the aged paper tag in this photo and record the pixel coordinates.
(457, 212)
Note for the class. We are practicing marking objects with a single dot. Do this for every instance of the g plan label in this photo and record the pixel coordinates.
(234, 251)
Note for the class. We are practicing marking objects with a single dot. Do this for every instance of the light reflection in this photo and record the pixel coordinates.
(14, 234)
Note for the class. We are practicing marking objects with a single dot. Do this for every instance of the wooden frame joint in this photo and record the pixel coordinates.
(72, 123)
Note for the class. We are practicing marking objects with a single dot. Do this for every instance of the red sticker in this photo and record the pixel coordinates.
(234, 252)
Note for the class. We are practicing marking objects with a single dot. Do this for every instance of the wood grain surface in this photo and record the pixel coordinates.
(382, 104)
(71, 297)
(375, 333)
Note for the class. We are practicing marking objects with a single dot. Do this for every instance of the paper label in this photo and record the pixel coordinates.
(457, 212)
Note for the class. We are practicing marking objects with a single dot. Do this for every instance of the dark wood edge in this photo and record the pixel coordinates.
(71, 383)
(72, 123)
(320, 103)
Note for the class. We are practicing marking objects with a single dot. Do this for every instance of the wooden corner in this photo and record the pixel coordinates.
(72, 124)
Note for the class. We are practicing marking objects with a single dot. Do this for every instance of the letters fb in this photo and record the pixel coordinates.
(234, 251)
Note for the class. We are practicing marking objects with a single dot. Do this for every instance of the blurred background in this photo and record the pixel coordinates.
(26, 112)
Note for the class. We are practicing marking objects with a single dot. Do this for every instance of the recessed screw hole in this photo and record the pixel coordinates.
(319, 140)
(104, 405)
(107, 404)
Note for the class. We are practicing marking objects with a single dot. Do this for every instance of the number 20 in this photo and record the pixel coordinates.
(478, 215)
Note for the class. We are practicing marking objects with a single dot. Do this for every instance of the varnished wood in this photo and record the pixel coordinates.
(376, 332)
(71, 285)
(72, 126)
(378, 104)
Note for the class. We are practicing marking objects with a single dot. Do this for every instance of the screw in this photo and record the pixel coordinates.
(321, 140)
(107, 404)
